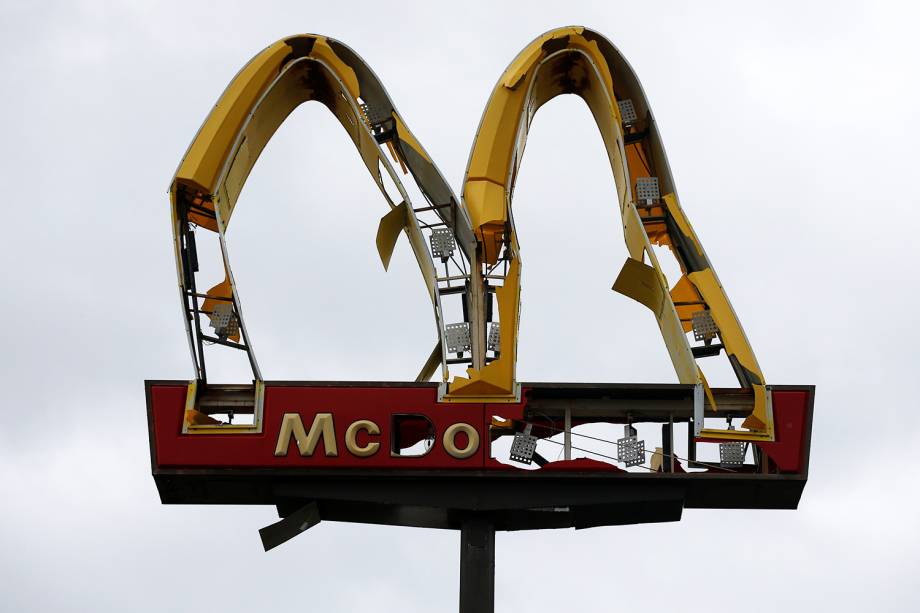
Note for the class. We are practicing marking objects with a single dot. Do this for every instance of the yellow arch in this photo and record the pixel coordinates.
(575, 60)
(582, 62)
(211, 175)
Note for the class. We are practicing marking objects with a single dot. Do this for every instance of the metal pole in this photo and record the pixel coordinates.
(667, 447)
(567, 437)
(477, 566)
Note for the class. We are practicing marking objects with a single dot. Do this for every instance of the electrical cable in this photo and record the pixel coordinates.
(601, 440)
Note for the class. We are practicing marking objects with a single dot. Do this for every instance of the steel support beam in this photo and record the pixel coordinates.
(477, 565)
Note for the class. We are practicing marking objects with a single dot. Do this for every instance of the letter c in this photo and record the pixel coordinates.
(351, 438)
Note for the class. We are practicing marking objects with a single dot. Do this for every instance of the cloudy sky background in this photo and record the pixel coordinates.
(791, 131)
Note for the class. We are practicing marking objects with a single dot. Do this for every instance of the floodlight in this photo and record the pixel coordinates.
(627, 111)
(704, 327)
(494, 340)
(647, 189)
(524, 445)
(629, 448)
(458, 337)
(224, 320)
(374, 117)
(732, 453)
(442, 243)
(379, 120)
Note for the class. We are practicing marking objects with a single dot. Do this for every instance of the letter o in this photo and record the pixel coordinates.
(450, 435)
(351, 438)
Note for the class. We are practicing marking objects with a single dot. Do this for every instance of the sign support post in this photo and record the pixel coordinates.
(477, 565)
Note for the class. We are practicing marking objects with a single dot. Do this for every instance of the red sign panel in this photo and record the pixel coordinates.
(341, 427)
(385, 427)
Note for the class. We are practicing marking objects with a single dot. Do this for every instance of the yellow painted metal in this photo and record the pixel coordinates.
(204, 160)
(286, 74)
(491, 383)
(220, 293)
(431, 364)
(391, 226)
(575, 60)
(641, 283)
(253, 107)
(580, 61)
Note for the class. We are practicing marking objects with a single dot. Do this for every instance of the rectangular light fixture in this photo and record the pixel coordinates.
(495, 339)
(704, 327)
(627, 111)
(224, 320)
(732, 453)
(630, 450)
(443, 243)
(524, 446)
(647, 189)
(458, 337)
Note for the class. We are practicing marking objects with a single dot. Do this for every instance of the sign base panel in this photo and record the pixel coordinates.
(390, 453)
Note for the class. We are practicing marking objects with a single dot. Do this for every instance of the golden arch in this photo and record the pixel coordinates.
(574, 60)
(213, 171)
(579, 61)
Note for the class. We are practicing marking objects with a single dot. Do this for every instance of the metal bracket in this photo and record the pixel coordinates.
(282, 531)
(698, 408)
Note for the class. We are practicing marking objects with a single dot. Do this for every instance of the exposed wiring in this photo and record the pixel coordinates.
(602, 440)
(549, 440)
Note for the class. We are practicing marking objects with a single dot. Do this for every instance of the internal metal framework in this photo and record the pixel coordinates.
(211, 176)
(579, 61)
(467, 249)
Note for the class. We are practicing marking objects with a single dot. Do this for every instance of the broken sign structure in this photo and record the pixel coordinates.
(434, 454)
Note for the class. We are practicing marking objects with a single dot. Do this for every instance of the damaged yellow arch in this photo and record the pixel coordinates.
(211, 175)
(208, 182)
(579, 61)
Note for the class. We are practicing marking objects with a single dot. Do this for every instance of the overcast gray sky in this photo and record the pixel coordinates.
(792, 132)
